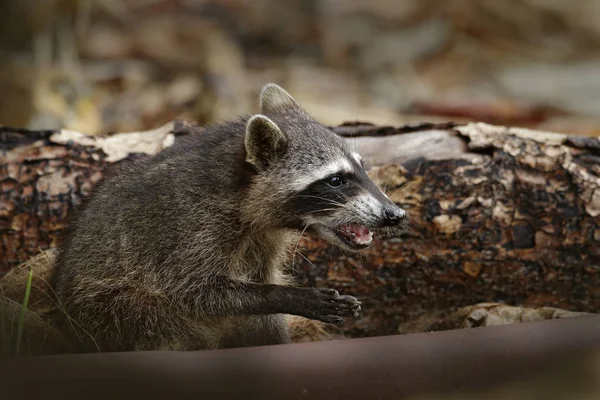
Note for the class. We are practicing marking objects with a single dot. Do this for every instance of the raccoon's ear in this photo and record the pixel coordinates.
(274, 98)
(264, 141)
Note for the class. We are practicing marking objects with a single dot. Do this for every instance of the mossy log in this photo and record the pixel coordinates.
(499, 214)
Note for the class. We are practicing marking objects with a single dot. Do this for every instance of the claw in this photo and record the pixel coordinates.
(331, 307)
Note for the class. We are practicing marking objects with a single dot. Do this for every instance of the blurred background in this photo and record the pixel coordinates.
(106, 66)
(123, 65)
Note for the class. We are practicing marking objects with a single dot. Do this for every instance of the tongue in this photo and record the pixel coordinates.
(356, 233)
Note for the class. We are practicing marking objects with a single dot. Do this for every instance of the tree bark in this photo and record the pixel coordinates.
(44, 174)
(499, 214)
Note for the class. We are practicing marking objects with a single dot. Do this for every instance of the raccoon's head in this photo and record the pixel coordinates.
(309, 177)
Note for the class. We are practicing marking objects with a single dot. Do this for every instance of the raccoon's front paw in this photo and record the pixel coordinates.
(329, 306)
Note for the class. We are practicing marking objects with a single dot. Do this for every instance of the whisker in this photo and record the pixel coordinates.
(406, 225)
(297, 243)
(292, 195)
(365, 144)
(324, 199)
(321, 248)
(303, 256)
(321, 210)
(402, 186)
(355, 125)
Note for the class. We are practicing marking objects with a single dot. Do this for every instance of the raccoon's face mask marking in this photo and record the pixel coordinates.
(335, 168)
(343, 206)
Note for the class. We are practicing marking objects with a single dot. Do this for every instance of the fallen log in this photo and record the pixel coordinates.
(505, 215)
(499, 214)
(44, 174)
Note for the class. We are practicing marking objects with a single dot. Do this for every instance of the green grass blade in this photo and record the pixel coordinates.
(23, 310)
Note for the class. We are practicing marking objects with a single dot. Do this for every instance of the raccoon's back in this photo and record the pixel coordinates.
(155, 209)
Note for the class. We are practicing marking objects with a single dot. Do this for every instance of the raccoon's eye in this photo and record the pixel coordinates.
(335, 181)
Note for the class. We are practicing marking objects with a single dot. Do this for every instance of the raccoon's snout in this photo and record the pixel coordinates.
(393, 216)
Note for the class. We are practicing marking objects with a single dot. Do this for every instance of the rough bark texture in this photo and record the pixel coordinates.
(43, 174)
(500, 214)
(513, 218)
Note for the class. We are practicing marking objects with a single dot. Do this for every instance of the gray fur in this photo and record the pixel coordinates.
(185, 250)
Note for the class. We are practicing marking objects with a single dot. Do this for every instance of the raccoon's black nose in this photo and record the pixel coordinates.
(393, 216)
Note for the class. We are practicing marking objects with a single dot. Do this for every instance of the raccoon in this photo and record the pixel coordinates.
(186, 250)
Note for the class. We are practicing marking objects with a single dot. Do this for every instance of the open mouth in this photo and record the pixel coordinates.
(354, 235)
